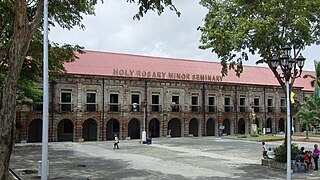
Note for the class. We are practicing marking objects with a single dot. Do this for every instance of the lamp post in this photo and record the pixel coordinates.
(289, 69)
(144, 134)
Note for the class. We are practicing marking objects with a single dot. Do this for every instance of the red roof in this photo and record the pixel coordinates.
(127, 65)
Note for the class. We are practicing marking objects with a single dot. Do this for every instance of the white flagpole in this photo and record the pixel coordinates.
(45, 115)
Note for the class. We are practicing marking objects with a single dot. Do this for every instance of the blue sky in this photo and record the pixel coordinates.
(114, 30)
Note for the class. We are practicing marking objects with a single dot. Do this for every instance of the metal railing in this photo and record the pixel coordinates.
(91, 107)
(66, 107)
(212, 108)
(114, 108)
(228, 108)
(195, 108)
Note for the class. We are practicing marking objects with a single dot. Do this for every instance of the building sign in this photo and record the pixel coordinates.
(166, 75)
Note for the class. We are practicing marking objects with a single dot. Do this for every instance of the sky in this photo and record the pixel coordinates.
(113, 29)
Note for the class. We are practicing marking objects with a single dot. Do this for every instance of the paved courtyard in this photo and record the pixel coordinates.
(165, 158)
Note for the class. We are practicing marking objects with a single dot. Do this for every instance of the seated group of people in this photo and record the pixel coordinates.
(303, 161)
(267, 154)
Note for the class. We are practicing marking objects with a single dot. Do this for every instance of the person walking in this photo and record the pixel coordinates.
(264, 150)
(116, 142)
(315, 156)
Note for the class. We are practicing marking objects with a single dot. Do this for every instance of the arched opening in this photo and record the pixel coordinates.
(89, 131)
(154, 128)
(241, 126)
(113, 127)
(210, 127)
(281, 125)
(35, 131)
(257, 123)
(134, 129)
(226, 124)
(193, 127)
(174, 125)
(65, 130)
(269, 126)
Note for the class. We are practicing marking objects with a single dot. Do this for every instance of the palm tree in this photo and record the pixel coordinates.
(309, 112)
(305, 117)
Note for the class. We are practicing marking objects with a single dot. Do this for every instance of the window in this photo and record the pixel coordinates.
(256, 103)
(195, 104)
(91, 102)
(175, 103)
(283, 106)
(135, 101)
(212, 104)
(227, 104)
(270, 104)
(65, 102)
(155, 107)
(114, 103)
(242, 104)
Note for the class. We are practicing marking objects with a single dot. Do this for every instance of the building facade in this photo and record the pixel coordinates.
(103, 94)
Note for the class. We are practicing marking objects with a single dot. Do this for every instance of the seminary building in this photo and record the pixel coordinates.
(103, 94)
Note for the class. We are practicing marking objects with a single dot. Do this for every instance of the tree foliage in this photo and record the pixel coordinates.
(154, 5)
(235, 28)
(309, 113)
(21, 53)
(315, 79)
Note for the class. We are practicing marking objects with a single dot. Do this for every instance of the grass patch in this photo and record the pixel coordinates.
(256, 138)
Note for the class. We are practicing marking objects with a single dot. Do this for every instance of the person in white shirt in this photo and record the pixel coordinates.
(264, 150)
(116, 142)
(270, 153)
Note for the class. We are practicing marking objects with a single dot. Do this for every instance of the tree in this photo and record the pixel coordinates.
(21, 53)
(305, 117)
(315, 82)
(234, 28)
(309, 113)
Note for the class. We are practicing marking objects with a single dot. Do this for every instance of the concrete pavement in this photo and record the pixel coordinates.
(165, 158)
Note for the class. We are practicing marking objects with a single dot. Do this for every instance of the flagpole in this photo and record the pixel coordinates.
(45, 112)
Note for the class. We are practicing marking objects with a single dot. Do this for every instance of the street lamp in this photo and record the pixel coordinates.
(289, 69)
(144, 134)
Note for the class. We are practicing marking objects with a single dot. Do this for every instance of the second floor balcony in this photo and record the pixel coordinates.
(114, 108)
(270, 109)
(65, 107)
(175, 108)
(195, 108)
(211, 108)
(228, 108)
(283, 109)
(155, 108)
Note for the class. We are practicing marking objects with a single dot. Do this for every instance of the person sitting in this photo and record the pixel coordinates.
(307, 160)
(270, 153)
(300, 163)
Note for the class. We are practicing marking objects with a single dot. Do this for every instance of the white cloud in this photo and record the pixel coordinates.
(114, 30)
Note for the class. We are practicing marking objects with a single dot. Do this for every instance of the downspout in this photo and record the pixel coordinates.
(204, 110)
(146, 107)
(236, 109)
(103, 119)
(52, 109)
(264, 107)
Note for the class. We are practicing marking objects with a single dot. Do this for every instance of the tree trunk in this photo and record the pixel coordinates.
(19, 45)
(17, 54)
(7, 133)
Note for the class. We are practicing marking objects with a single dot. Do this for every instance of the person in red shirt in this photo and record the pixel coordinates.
(307, 160)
